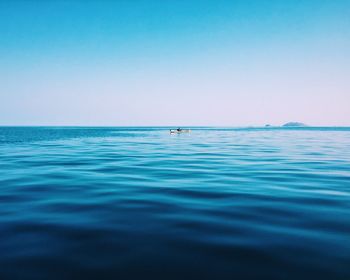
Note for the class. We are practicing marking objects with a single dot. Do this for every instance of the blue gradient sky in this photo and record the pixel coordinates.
(230, 63)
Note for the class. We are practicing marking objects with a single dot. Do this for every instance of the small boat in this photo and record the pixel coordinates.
(179, 130)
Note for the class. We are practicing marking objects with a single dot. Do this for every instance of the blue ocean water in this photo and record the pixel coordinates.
(139, 203)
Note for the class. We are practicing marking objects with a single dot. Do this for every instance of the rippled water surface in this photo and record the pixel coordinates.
(139, 203)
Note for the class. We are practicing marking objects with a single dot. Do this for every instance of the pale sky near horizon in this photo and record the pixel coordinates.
(181, 63)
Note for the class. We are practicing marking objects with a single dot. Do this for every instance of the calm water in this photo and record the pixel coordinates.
(139, 203)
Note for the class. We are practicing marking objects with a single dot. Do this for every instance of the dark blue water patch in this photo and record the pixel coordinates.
(35, 134)
(131, 203)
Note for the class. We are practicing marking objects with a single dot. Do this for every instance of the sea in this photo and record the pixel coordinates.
(141, 203)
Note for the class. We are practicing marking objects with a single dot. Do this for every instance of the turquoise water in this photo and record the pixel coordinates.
(132, 203)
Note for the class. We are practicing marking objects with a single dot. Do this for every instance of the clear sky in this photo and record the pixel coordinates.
(179, 62)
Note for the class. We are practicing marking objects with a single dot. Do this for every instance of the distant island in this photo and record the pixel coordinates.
(294, 124)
